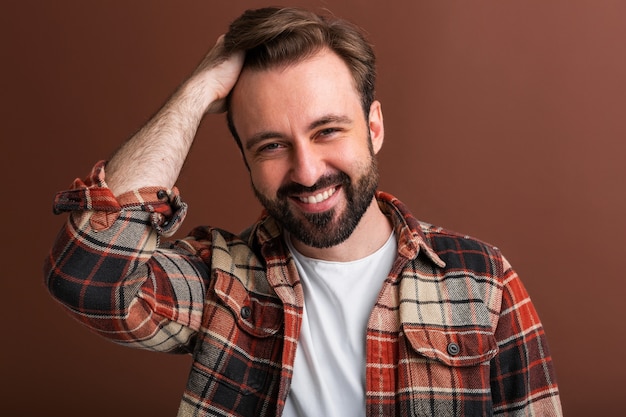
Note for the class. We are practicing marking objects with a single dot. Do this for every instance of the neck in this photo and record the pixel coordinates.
(370, 234)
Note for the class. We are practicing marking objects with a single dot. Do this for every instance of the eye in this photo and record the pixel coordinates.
(269, 147)
(329, 131)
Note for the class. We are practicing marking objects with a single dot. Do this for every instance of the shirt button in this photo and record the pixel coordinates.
(161, 194)
(245, 312)
(453, 349)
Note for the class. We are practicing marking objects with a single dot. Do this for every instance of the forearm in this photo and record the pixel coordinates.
(156, 153)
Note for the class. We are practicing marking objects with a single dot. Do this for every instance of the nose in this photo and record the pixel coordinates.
(307, 164)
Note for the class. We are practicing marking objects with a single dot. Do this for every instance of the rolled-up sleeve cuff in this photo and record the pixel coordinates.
(165, 207)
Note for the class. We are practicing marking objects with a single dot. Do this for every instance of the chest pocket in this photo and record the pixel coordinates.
(237, 356)
(452, 348)
(259, 315)
(447, 372)
(447, 341)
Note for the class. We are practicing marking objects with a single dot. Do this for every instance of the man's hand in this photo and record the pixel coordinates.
(221, 72)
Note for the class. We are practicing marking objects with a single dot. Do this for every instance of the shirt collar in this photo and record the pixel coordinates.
(411, 237)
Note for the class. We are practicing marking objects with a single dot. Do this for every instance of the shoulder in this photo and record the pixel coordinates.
(463, 252)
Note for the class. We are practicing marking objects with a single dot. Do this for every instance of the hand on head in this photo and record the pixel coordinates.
(220, 71)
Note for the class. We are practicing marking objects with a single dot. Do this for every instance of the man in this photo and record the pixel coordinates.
(338, 302)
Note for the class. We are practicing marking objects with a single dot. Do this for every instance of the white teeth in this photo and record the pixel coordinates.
(318, 198)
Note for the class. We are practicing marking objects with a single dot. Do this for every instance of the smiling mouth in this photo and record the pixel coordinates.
(319, 197)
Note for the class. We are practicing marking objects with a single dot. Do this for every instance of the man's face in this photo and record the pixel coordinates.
(309, 147)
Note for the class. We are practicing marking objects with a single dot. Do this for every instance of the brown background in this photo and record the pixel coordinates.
(504, 120)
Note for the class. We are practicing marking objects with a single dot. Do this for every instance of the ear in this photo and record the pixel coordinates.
(376, 126)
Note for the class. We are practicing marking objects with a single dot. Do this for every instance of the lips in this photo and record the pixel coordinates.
(317, 198)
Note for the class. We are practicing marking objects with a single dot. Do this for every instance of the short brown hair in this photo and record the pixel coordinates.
(274, 36)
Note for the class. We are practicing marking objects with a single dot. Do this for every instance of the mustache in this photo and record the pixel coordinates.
(291, 188)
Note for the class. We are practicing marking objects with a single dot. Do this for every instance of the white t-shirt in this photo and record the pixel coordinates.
(329, 369)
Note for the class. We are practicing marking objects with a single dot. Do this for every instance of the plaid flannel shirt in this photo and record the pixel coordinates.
(453, 332)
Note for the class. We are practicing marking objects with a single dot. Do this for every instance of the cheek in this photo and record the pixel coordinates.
(354, 158)
(266, 178)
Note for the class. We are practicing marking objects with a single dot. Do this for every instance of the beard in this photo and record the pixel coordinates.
(329, 228)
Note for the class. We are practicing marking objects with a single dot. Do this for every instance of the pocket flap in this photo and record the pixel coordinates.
(257, 314)
(461, 347)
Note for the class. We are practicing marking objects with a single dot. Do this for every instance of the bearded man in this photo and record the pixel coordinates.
(337, 302)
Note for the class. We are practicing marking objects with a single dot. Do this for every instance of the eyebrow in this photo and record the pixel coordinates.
(329, 119)
(322, 121)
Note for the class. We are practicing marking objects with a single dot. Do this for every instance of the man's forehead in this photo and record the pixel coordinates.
(302, 92)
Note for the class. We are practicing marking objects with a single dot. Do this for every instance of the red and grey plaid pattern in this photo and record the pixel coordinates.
(453, 332)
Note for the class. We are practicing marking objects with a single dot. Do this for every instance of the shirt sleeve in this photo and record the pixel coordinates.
(109, 270)
(523, 381)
